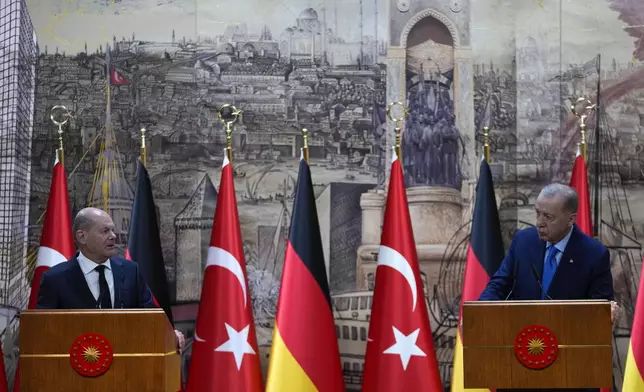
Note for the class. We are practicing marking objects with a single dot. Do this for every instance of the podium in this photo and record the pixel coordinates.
(537, 344)
(97, 350)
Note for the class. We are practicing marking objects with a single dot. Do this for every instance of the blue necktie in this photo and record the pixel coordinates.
(549, 269)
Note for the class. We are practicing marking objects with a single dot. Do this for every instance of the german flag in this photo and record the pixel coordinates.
(304, 354)
(144, 242)
(484, 256)
(634, 372)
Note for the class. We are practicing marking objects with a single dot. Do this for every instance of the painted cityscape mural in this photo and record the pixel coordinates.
(322, 65)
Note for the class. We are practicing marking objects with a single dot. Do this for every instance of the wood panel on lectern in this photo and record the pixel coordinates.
(143, 356)
(537, 344)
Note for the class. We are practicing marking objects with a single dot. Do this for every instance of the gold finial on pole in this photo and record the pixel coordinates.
(63, 117)
(486, 143)
(144, 155)
(397, 121)
(229, 114)
(587, 107)
(582, 145)
(305, 148)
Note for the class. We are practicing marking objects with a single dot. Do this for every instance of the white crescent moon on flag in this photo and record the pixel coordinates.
(391, 258)
(224, 259)
(48, 257)
(117, 77)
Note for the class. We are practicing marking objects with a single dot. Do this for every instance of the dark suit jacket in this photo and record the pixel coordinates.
(64, 287)
(583, 272)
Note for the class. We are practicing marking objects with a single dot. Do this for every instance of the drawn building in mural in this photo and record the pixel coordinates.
(323, 69)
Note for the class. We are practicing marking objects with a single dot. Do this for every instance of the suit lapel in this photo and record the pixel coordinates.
(77, 280)
(119, 278)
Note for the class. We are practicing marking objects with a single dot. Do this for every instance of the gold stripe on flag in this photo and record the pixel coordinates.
(286, 374)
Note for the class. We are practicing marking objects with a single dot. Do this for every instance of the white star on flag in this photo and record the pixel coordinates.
(405, 346)
(237, 344)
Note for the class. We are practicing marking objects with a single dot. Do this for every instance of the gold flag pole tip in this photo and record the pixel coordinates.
(397, 120)
(305, 145)
(486, 143)
(587, 109)
(59, 121)
(144, 155)
(229, 114)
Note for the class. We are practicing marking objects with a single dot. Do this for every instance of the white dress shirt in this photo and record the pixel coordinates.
(91, 276)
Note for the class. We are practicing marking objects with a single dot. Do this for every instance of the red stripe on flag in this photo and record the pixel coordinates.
(33, 297)
(579, 181)
(476, 277)
(637, 332)
(307, 326)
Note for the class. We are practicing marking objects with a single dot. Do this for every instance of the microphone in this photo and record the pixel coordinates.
(535, 273)
(514, 279)
(120, 292)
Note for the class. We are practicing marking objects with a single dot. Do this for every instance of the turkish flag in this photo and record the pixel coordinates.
(400, 350)
(116, 78)
(224, 351)
(56, 239)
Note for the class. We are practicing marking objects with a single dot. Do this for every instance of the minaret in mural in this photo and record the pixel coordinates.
(110, 191)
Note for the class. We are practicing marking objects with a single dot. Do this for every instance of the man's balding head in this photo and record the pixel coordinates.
(94, 233)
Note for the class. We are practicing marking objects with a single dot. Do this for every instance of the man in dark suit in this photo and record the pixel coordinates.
(555, 259)
(94, 277)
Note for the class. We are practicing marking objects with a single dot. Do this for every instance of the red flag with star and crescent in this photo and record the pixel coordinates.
(56, 239)
(400, 349)
(224, 351)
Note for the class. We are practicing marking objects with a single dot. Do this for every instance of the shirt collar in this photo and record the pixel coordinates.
(561, 245)
(88, 265)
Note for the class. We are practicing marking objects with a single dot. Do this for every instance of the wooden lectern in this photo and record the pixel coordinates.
(67, 350)
(537, 344)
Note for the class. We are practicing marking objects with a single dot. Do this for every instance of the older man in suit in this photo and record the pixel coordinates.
(95, 277)
(555, 259)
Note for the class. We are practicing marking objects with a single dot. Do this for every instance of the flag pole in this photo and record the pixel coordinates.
(229, 114)
(305, 147)
(486, 143)
(66, 115)
(144, 155)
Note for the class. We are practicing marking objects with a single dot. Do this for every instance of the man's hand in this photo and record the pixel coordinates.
(181, 340)
(615, 312)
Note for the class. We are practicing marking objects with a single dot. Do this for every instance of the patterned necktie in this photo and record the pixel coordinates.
(104, 298)
(549, 269)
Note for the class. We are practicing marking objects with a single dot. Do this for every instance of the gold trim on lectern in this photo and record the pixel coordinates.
(115, 355)
(560, 346)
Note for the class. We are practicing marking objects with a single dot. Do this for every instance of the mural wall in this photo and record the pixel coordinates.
(326, 66)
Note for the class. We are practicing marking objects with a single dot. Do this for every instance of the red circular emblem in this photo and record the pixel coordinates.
(536, 347)
(91, 354)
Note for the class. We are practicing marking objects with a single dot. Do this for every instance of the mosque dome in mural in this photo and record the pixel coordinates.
(308, 13)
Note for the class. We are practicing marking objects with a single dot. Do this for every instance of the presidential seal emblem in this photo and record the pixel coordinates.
(91, 355)
(536, 347)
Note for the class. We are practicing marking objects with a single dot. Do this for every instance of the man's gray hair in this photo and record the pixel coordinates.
(571, 200)
(83, 219)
